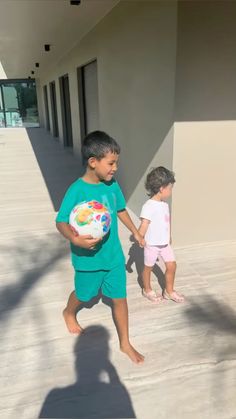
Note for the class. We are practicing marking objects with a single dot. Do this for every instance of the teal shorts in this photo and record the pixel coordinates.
(112, 283)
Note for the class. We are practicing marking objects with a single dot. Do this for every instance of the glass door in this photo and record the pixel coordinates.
(18, 103)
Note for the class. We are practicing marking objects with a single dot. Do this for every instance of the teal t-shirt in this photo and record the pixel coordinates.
(108, 252)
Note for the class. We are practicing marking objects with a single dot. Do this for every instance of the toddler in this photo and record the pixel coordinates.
(155, 228)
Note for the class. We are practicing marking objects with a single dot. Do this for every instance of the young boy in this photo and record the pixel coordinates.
(99, 263)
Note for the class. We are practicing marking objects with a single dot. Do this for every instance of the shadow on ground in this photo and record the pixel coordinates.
(58, 165)
(136, 258)
(98, 391)
(215, 323)
(209, 311)
(32, 258)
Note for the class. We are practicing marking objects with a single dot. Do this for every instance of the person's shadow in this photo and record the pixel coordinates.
(136, 258)
(98, 391)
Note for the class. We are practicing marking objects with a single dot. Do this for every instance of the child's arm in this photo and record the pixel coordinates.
(143, 226)
(126, 220)
(87, 242)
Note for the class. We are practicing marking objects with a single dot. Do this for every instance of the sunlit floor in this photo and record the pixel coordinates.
(190, 367)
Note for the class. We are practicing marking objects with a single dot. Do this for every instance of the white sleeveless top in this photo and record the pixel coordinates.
(157, 212)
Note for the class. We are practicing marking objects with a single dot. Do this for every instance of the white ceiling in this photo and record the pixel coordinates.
(26, 25)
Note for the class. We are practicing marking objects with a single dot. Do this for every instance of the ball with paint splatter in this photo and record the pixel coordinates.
(90, 217)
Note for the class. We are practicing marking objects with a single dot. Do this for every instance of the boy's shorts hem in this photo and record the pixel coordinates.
(112, 283)
(83, 299)
(116, 297)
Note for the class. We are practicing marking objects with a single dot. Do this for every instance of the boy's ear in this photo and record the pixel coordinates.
(92, 162)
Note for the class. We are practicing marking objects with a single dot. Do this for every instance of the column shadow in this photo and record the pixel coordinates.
(58, 165)
(32, 265)
(98, 391)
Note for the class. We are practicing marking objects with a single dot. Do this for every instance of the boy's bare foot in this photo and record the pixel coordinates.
(71, 323)
(135, 356)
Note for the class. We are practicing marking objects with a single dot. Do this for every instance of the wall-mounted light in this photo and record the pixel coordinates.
(36, 64)
(75, 2)
(47, 47)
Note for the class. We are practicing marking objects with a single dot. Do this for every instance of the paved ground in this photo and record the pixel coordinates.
(190, 368)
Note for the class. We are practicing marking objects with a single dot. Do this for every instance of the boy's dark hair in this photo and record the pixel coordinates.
(158, 177)
(97, 144)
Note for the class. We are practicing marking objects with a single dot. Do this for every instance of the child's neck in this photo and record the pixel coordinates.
(90, 177)
(157, 197)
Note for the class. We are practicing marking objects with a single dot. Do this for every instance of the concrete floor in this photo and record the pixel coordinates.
(190, 367)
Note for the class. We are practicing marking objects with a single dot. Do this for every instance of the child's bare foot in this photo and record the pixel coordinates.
(132, 354)
(71, 323)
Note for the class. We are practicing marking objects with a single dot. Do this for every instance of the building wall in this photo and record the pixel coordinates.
(135, 48)
(166, 87)
(204, 201)
(2, 72)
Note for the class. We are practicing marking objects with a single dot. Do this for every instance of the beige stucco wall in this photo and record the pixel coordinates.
(167, 82)
(2, 72)
(135, 47)
(204, 200)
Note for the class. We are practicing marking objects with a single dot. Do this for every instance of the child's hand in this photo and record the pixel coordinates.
(87, 242)
(139, 239)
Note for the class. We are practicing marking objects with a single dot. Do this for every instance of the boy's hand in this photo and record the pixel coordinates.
(139, 239)
(87, 242)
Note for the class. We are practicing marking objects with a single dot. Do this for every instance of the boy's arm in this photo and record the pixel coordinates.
(126, 220)
(66, 231)
(87, 242)
(143, 226)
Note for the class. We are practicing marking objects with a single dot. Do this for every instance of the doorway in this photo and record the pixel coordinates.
(66, 110)
(53, 98)
(45, 95)
(88, 98)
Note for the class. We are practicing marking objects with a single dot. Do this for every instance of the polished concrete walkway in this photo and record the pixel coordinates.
(190, 349)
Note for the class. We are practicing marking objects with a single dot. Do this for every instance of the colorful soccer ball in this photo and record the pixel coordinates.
(90, 217)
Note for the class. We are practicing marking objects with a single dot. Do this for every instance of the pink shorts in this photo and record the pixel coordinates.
(152, 253)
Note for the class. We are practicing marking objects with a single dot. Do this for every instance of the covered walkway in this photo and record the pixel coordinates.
(190, 368)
